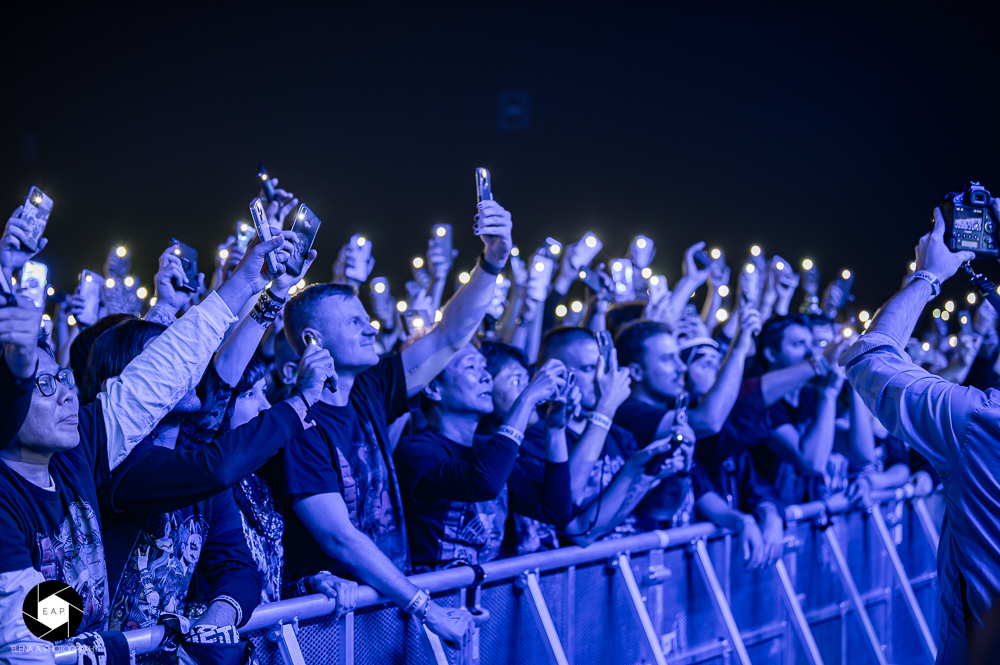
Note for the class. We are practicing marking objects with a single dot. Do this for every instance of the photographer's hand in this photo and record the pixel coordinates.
(934, 256)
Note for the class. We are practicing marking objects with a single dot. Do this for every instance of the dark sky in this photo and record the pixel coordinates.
(813, 129)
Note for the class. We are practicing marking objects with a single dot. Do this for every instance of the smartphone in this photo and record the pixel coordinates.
(499, 301)
(642, 251)
(330, 383)
(244, 234)
(34, 279)
(380, 285)
(703, 259)
(846, 283)
(539, 276)
(553, 248)
(413, 291)
(604, 345)
(305, 227)
(621, 275)
(264, 232)
(90, 291)
(680, 414)
(592, 279)
(361, 247)
(36, 210)
(441, 237)
(587, 249)
(265, 182)
(189, 263)
(657, 287)
(416, 321)
(483, 189)
(964, 319)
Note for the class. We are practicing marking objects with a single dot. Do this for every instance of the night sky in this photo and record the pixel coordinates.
(815, 130)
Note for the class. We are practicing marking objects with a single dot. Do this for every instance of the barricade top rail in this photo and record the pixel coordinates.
(145, 640)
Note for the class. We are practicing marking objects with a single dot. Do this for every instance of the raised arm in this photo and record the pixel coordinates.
(463, 313)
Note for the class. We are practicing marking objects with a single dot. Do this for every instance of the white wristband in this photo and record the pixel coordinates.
(601, 421)
(514, 434)
(931, 279)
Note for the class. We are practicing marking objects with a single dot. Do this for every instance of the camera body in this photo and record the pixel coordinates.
(970, 222)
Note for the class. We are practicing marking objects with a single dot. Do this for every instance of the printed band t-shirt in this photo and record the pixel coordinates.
(312, 466)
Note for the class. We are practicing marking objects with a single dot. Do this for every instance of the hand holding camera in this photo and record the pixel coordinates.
(933, 255)
(551, 382)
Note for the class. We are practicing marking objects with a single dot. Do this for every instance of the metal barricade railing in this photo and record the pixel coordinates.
(668, 596)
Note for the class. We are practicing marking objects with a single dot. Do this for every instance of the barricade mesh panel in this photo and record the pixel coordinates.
(605, 631)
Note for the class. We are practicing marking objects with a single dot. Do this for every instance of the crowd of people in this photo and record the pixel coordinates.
(190, 454)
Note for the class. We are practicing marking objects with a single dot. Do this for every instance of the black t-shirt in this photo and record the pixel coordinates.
(313, 466)
(58, 532)
(791, 485)
(457, 498)
(641, 419)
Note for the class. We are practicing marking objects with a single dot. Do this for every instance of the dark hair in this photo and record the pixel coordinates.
(79, 350)
(255, 370)
(631, 340)
(816, 320)
(113, 350)
(301, 311)
(773, 332)
(498, 355)
(621, 314)
(559, 338)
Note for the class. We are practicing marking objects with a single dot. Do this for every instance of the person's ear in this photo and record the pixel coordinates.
(635, 371)
(287, 373)
(769, 355)
(314, 333)
(432, 391)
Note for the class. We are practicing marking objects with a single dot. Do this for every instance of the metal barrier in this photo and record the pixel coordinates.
(855, 586)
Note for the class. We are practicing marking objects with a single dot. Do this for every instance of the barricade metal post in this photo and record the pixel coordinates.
(529, 581)
(718, 596)
(432, 646)
(285, 634)
(638, 606)
(469, 655)
(799, 622)
(852, 591)
(570, 613)
(904, 581)
(653, 582)
(345, 627)
(927, 524)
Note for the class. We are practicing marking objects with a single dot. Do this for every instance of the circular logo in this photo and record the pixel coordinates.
(52, 611)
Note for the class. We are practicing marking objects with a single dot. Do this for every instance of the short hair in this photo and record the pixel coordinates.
(498, 355)
(113, 350)
(561, 337)
(816, 320)
(79, 350)
(631, 340)
(301, 311)
(774, 329)
(621, 314)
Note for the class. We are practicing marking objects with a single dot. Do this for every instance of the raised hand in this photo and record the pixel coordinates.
(278, 209)
(613, 385)
(14, 247)
(691, 268)
(19, 326)
(933, 255)
(548, 383)
(493, 225)
(167, 280)
(117, 266)
(282, 283)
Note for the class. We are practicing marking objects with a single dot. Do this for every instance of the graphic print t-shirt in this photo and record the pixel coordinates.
(359, 431)
(58, 532)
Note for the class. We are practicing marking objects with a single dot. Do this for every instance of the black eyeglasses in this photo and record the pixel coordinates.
(49, 383)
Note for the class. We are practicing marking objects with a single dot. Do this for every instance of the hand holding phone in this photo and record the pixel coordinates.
(265, 183)
(244, 234)
(642, 252)
(34, 279)
(264, 233)
(539, 276)
(484, 191)
(305, 227)
(623, 278)
(586, 249)
(35, 214)
(90, 292)
(359, 258)
(189, 263)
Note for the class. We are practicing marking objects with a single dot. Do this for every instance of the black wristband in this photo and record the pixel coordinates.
(488, 267)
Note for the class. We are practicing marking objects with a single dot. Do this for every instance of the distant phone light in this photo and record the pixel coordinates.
(418, 262)
(141, 292)
(464, 277)
(913, 266)
(846, 274)
(576, 306)
(36, 199)
(949, 306)
(244, 227)
(723, 291)
(177, 251)
(401, 306)
(109, 283)
(926, 346)
(750, 268)
(514, 251)
(152, 301)
(499, 279)
(807, 264)
(591, 242)
(379, 287)
(440, 232)
(301, 284)
(716, 253)
(863, 316)
(129, 281)
(376, 325)
(418, 322)
(540, 266)
(555, 249)
(721, 316)
(971, 298)
(953, 341)
(640, 243)
(438, 315)
(654, 281)
(263, 176)
(71, 320)
(779, 265)
(847, 332)
(647, 273)
(223, 254)
(616, 266)
(361, 241)
(302, 214)
(121, 252)
(964, 320)
(89, 278)
(50, 291)
(619, 287)
(868, 323)
(561, 311)
(945, 316)
(46, 317)
(755, 250)
(583, 275)
(936, 314)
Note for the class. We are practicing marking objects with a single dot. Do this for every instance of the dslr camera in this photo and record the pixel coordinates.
(970, 222)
